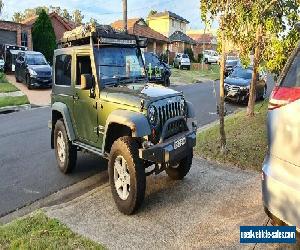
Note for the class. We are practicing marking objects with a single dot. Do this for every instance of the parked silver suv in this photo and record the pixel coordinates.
(281, 168)
(182, 61)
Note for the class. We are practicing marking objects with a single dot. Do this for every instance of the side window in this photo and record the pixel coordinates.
(63, 65)
(292, 78)
(83, 67)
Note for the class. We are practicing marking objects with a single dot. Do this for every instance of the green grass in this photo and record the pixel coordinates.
(13, 101)
(3, 77)
(194, 76)
(246, 140)
(39, 232)
(6, 87)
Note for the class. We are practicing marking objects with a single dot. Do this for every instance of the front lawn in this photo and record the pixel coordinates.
(6, 87)
(13, 101)
(195, 76)
(37, 231)
(246, 140)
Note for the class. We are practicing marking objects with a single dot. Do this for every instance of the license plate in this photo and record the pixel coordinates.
(179, 143)
(232, 93)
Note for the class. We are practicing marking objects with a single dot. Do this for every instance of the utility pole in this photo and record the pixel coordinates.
(125, 15)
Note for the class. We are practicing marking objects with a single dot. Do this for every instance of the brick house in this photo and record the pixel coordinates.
(203, 41)
(15, 34)
(174, 27)
(157, 42)
(59, 24)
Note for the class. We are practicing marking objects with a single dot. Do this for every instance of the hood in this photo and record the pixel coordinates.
(40, 68)
(132, 94)
(237, 81)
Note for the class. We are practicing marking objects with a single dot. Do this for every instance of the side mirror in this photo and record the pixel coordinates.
(86, 81)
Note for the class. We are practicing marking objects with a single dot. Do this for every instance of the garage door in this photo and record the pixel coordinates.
(8, 37)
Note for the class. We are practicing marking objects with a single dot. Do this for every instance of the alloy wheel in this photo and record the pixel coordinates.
(121, 177)
(61, 147)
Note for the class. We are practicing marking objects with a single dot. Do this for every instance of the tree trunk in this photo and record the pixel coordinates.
(257, 55)
(221, 102)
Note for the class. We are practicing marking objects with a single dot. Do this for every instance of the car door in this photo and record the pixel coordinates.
(85, 105)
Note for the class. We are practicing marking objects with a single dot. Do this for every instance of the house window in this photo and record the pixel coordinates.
(24, 39)
(173, 23)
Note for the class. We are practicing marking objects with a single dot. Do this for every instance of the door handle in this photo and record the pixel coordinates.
(75, 97)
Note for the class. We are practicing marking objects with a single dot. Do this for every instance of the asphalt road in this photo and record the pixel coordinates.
(27, 164)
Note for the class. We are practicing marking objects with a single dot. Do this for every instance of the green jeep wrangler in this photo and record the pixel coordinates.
(102, 103)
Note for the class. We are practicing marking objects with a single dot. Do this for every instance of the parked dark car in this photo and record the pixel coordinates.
(33, 69)
(237, 85)
(157, 70)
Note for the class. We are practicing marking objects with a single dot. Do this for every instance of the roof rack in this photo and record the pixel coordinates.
(101, 34)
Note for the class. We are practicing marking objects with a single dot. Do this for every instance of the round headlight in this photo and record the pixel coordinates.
(152, 115)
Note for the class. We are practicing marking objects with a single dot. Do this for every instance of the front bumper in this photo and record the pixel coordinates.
(281, 198)
(41, 82)
(237, 95)
(167, 151)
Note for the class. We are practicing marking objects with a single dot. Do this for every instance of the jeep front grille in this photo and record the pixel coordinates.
(168, 111)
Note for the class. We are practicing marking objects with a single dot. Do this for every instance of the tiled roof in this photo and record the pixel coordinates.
(170, 14)
(138, 27)
(179, 36)
(118, 25)
(203, 38)
(69, 25)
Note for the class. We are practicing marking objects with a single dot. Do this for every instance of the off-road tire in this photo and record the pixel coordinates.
(70, 150)
(167, 82)
(180, 170)
(127, 147)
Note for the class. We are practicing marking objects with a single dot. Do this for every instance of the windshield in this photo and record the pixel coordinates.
(151, 58)
(36, 60)
(115, 64)
(185, 56)
(242, 73)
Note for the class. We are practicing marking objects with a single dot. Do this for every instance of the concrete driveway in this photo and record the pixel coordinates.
(203, 211)
(38, 97)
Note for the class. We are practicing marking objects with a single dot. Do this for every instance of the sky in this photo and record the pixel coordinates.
(108, 11)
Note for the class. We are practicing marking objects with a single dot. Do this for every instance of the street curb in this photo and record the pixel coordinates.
(9, 109)
(62, 196)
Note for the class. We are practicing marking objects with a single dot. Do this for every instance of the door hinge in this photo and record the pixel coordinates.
(99, 130)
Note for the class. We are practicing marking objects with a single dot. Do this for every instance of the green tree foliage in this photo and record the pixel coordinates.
(18, 17)
(65, 14)
(77, 17)
(258, 26)
(1, 6)
(190, 53)
(43, 36)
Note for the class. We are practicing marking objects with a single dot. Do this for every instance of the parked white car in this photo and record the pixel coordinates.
(210, 56)
(182, 61)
